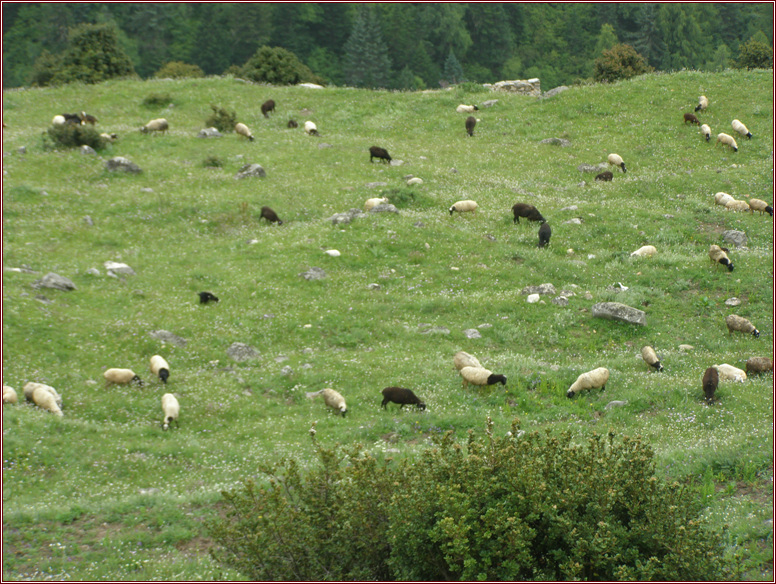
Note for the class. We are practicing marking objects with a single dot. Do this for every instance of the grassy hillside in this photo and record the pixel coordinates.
(103, 493)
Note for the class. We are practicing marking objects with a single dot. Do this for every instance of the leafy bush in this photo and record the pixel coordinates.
(755, 54)
(157, 100)
(278, 66)
(221, 119)
(45, 69)
(179, 70)
(619, 62)
(75, 135)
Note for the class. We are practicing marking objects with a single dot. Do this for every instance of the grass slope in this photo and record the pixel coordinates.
(103, 493)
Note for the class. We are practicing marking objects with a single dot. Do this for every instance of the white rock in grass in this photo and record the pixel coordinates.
(333, 253)
(733, 301)
(532, 298)
(472, 334)
(52, 280)
(119, 268)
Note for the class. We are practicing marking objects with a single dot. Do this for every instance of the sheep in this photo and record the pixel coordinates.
(544, 234)
(372, 203)
(471, 121)
(160, 368)
(62, 119)
(157, 125)
(401, 396)
(754, 365)
(645, 251)
(727, 140)
(692, 119)
(58, 120)
(466, 109)
(267, 106)
(706, 131)
(270, 215)
(464, 207)
(331, 398)
(463, 359)
(761, 206)
(710, 383)
(606, 175)
(243, 130)
(589, 380)
(292, 123)
(735, 205)
(481, 376)
(651, 358)
(741, 129)
(112, 137)
(9, 395)
(205, 297)
(527, 211)
(740, 324)
(29, 389)
(616, 160)
(703, 103)
(379, 153)
(43, 398)
(717, 254)
(730, 373)
(722, 199)
(311, 129)
(415, 180)
(171, 409)
(121, 377)
(87, 119)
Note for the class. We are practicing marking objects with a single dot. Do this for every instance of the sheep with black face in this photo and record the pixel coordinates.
(401, 396)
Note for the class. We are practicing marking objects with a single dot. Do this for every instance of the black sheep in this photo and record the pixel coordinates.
(293, 123)
(528, 211)
(402, 396)
(87, 119)
(267, 106)
(380, 153)
(205, 297)
(692, 119)
(270, 215)
(710, 382)
(544, 234)
(606, 175)
(72, 118)
(471, 121)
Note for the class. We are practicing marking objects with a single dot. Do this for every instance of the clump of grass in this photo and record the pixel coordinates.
(213, 161)
(157, 100)
(74, 136)
(221, 119)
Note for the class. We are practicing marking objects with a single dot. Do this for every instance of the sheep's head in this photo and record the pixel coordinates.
(343, 411)
(756, 333)
(495, 378)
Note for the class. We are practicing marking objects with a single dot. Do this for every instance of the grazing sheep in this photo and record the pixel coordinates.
(527, 211)
(243, 130)
(160, 368)
(703, 103)
(87, 119)
(205, 297)
(463, 359)
(62, 119)
(401, 396)
(471, 121)
(415, 180)
(761, 206)
(650, 358)
(735, 205)
(727, 140)
(589, 380)
(706, 131)
(466, 109)
(292, 123)
(331, 398)
(379, 153)
(692, 119)
(43, 398)
(741, 129)
(740, 324)
(722, 199)
(645, 251)
(481, 376)
(311, 129)
(605, 175)
(121, 377)
(57, 120)
(171, 409)
(267, 106)
(29, 389)
(544, 234)
(754, 365)
(730, 373)
(717, 254)
(464, 207)
(10, 397)
(270, 215)
(157, 125)
(372, 203)
(112, 137)
(616, 160)
(710, 383)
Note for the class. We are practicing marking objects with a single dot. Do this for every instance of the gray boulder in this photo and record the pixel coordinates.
(209, 133)
(86, 149)
(345, 218)
(620, 312)
(602, 166)
(119, 163)
(489, 103)
(737, 238)
(472, 334)
(553, 92)
(556, 142)
(168, 337)
(52, 280)
(241, 352)
(313, 274)
(249, 170)
(384, 208)
(119, 268)
(541, 289)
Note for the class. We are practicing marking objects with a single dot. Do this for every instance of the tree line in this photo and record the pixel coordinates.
(396, 45)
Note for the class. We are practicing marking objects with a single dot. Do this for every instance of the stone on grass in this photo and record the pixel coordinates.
(533, 298)
(55, 281)
(209, 133)
(249, 170)
(560, 301)
(122, 164)
(384, 208)
(119, 268)
(600, 167)
(313, 274)
(556, 142)
(737, 238)
(168, 337)
(241, 352)
(541, 289)
(472, 334)
(620, 312)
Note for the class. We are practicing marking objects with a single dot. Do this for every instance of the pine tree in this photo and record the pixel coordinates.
(93, 55)
(453, 69)
(366, 54)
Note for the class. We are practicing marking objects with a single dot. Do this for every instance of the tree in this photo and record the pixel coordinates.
(619, 62)
(606, 39)
(721, 59)
(755, 54)
(453, 69)
(647, 39)
(366, 55)
(278, 66)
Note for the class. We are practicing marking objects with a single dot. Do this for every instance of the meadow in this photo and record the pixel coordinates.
(104, 494)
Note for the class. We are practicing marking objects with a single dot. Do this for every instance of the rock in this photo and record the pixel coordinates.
(22, 150)
(209, 133)
(55, 281)
(118, 268)
(737, 238)
(241, 352)
(435, 330)
(553, 92)
(373, 286)
(249, 170)
(384, 208)
(686, 347)
(533, 298)
(556, 142)
(93, 272)
(333, 253)
(87, 150)
(345, 218)
(168, 337)
(600, 167)
(570, 208)
(541, 289)
(489, 103)
(615, 404)
(43, 300)
(313, 274)
(472, 334)
(396, 162)
(286, 371)
(733, 301)
(574, 221)
(560, 301)
(620, 312)
(414, 181)
(528, 86)
(122, 164)
(373, 185)
(88, 221)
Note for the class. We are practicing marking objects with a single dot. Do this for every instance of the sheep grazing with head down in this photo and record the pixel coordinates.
(730, 373)
(467, 206)
(544, 234)
(481, 376)
(9, 395)
(727, 140)
(463, 359)
(605, 175)
(243, 130)
(741, 325)
(205, 297)
(292, 123)
(374, 202)
(160, 368)
(87, 119)
(112, 137)
(645, 251)
(157, 125)
(736, 205)
(650, 358)
(722, 199)
(401, 396)
(526, 211)
(616, 160)
(267, 106)
(379, 153)
(331, 398)
(270, 215)
(741, 129)
(62, 119)
(706, 131)
(44, 396)
(29, 389)
(589, 380)
(471, 121)
(692, 119)
(718, 254)
(757, 365)
(703, 103)
(311, 129)
(466, 109)
(121, 377)
(171, 409)
(761, 206)
(710, 383)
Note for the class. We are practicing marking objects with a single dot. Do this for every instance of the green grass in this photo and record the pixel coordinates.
(103, 493)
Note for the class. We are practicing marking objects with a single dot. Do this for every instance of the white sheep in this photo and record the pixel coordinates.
(466, 109)
(243, 130)
(9, 395)
(112, 137)
(58, 120)
(372, 203)
(741, 129)
(589, 380)
(761, 206)
(311, 129)
(481, 376)
(43, 397)
(651, 358)
(645, 251)
(463, 359)
(706, 131)
(464, 207)
(30, 387)
(331, 398)
(121, 377)
(171, 409)
(160, 368)
(730, 373)
(727, 140)
(616, 160)
(414, 181)
(719, 255)
(722, 199)
(703, 103)
(736, 205)
(740, 324)
(157, 125)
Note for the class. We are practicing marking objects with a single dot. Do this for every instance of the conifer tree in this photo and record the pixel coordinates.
(366, 54)
(453, 69)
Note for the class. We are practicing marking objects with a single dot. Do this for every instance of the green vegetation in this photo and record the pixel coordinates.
(179, 70)
(278, 66)
(619, 62)
(104, 494)
(221, 119)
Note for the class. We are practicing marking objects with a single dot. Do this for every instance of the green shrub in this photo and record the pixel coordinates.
(755, 54)
(157, 100)
(278, 66)
(221, 119)
(75, 135)
(45, 69)
(212, 162)
(179, 70)
(619, 62)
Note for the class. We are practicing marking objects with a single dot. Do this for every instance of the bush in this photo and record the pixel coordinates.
(619, 62)
(179, 70)
(278, 66)
(45, 69)
(221, 119)
(75, 135)
(755, 54)
(157, 100)
(212, 161)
